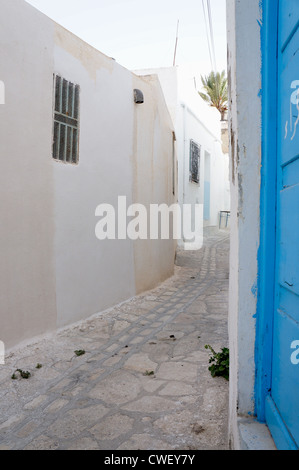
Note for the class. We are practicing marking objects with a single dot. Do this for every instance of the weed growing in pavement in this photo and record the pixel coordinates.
(220, 362)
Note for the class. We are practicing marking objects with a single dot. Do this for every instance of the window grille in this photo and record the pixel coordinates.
(66, 121)
(194, 162)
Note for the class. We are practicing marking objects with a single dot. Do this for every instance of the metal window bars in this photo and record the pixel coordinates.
(66, 121)
(195, 152)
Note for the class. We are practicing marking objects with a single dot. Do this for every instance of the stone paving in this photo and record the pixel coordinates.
(143, 382)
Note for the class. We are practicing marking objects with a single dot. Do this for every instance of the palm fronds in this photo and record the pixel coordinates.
(215, 87)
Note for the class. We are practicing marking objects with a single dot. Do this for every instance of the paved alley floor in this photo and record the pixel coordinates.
(143, 382)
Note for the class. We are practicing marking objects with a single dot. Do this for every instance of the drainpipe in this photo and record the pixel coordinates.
(184, 156)
(184, 153)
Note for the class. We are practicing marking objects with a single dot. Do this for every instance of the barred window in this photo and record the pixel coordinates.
(66, 121)
(194, 162)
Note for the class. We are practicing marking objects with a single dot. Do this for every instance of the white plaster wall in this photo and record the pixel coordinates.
(169, 80)
(194, 119)
(54, 271)
(27, 267)
(92, 275)
(245, 153)
(153, 169)
(220, 186)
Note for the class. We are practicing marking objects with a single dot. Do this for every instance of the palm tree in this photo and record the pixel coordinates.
(215, 86)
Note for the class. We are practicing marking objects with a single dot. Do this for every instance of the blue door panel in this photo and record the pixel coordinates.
(284, 373)
(207, 203)
(278, 429)
(288, 302)
(289, 17)
(290, 173)
(289, 247)
(282, 407)
(288, 130)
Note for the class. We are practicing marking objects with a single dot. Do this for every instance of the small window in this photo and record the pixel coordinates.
(194, 162)
(66, 121)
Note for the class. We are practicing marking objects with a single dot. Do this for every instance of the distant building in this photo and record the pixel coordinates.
(203, 167)
(263, 64)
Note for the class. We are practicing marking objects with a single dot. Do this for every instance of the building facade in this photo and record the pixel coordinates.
(264, 285)
(203, 167)
(72, 138)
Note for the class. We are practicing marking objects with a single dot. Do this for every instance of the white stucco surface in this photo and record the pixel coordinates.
(27, 269)
(195, 120)
(105, 171)
(245, 150)
(54, 271)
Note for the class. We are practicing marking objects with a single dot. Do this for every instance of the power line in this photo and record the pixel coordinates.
(213, 45)
(208, 35)
(212, 34)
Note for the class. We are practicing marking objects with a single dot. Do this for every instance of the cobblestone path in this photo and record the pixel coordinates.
(143, 382)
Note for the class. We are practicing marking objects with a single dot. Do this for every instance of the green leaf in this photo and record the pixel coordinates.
(220, 363)
(216, 91)
(80, 352)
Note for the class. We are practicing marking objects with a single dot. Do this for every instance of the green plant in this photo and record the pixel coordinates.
(39, 366)
(216, 93)
(149, 373)
(79, 353)
(25, 375)
(220, 362)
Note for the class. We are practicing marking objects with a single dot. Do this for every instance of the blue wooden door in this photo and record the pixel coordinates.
(282, 408)
(207, 204)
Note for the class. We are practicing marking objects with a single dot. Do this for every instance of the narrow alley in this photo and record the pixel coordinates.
(140, 379)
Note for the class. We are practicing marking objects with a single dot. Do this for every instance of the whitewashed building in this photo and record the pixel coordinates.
(73, 137)
(203, 167)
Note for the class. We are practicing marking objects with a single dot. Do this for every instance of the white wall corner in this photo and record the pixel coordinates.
(244, 67)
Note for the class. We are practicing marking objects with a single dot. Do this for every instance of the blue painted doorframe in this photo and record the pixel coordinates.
(277, 378)
(266, 256)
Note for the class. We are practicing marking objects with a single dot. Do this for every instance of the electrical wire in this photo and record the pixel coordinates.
(208, 35)
(212, 34)
(210, 38)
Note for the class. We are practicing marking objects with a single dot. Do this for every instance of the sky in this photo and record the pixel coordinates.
(141, 34)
